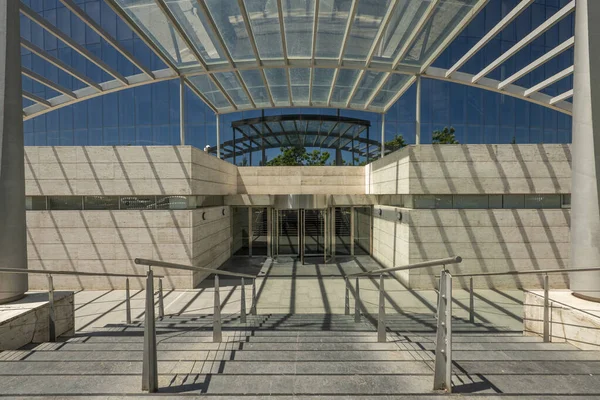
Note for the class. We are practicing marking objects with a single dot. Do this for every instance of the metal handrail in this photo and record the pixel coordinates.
(531, 272)
(78, 273)
(163, 264)
(424, 264)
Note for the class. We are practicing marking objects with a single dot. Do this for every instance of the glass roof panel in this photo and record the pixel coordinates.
(289, 126)
(402, 23)
(150, 18)
(229, 22)
(322, 81)
(447, 15)
(233, 88)
(210, 91)
(333, 17)
(366, 87)
(264, 19)
(197, 29)
(389, 90)
(343, 86)
(275, 127)
(300, 79)
(313, 126)
(277, 80)
(298, 16)
(369, 17)
(256, 87)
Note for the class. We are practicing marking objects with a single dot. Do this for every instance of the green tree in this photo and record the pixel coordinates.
(244, 162)
(316, 158)
(395, 144)
(295, 156)
(445, 136)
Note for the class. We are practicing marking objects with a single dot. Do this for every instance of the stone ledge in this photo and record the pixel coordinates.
(572, 319)
(26, 320)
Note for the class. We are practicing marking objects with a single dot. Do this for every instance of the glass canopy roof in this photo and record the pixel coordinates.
(247, 54)
(303, 130)
(253, 54)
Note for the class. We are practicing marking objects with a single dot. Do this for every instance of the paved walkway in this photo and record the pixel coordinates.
(286, 287)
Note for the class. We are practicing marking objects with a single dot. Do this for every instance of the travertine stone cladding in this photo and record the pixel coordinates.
(472, 169)
(490, 241)
(126, 170)
(301, 180)
(212, 240)
(108, 241)
(388, 175)
(391, 240)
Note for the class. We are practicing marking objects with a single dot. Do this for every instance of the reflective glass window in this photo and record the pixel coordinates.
(514, 201)
(35, 202)
(101, 202)
(470, 201)
(65, 202)
(542, 201)
(138, 203)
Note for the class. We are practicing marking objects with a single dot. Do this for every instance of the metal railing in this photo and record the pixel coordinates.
(51, 305)
(443, 354)
(545, 272)
(150, 363)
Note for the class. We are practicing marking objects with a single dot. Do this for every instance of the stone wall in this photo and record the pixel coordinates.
(301, 180)
(390, 240)
(126, 170)
(108, 241)
(212, 239)
(491, 241)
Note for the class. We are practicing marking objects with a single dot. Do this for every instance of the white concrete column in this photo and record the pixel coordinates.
(585, 205)
(382, 135)
(181, 111)
(13, 236)
(418, 112)
(218, 137)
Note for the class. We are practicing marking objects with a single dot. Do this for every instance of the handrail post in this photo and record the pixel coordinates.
(357, 302)
(443, 351)
(150, 364)
(51, 311)
(546, 311)
(217, 335)
(161, 304)
(127, 302)
(253, 307)
(243, 303)
(347, 297)
(471, 301)
(381, 315)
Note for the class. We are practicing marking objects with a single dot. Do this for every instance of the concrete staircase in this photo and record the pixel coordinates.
(301, 356)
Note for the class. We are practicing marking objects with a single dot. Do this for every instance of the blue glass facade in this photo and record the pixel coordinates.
(150, 114)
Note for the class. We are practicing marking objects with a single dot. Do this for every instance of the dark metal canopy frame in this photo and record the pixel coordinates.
(300, 130)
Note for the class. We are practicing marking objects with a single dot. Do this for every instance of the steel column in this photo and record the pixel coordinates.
(161, 304)
(418, 112)
(352, 231)
(217, 335)
(381, 315)
(182, 111)
(127, 302)
(471, 301)
(250, 231)
(219, 137)
(443, 351)
(347, 297)
(357, 301)
(253, 307)
(546, 322)
(150, 364)
(243, 303)
(51, 311)
(382, 135)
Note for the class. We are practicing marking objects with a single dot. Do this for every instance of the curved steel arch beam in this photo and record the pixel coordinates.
(510, 90)
(87, 93)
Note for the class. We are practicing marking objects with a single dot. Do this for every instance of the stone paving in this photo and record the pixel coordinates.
(301, 345)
